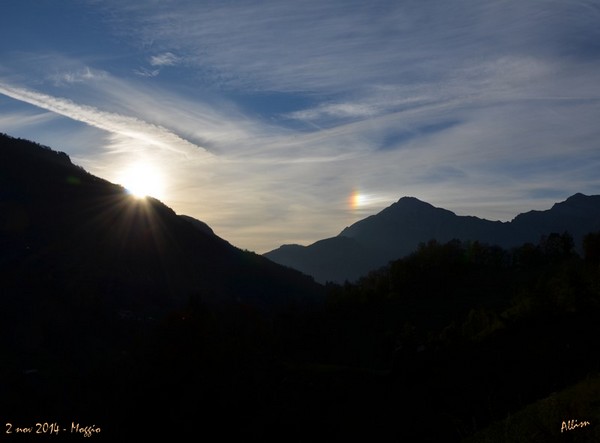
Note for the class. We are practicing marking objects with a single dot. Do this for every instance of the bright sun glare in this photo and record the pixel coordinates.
(143, 180)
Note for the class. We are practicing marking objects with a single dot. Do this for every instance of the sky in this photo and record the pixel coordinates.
(281, 122)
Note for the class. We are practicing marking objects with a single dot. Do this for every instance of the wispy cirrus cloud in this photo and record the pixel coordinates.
(157, 62)
(82, 75)
(15, 121)
(145, 72)
(165, 59)
(306, 46)
(131, 127)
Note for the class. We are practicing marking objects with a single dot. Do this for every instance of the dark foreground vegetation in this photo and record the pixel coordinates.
(458, 341)
(437, 346)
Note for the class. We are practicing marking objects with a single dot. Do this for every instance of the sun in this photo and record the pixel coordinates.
(143, 180)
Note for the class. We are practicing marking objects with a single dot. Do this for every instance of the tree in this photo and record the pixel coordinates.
(556, 246)
(591, 247)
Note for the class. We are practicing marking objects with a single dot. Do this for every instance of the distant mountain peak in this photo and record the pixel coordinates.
(398, 229)
(408, 200)
(578, 198)
(411, 205)
(578, 203)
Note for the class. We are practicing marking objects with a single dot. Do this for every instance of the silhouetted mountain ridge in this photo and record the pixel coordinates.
(119, 311)
(203, 227)
(74, 230)
(397, 231)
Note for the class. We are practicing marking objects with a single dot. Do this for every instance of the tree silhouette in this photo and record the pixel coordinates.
(591, 247)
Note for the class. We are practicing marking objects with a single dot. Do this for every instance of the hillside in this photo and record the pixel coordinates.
(551, 419)
(76, 231)
(398, 230)
(473, 334)
(91, 280)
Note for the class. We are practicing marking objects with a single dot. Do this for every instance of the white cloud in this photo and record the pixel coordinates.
(85, 74)
(335, 110)
(16, 121)
(131, 127)
(143, 72)
(339, 46)
(165, 59)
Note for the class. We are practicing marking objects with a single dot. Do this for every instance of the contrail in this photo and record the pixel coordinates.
(131, 127)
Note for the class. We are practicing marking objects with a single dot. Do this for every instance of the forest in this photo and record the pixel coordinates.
(447, 343)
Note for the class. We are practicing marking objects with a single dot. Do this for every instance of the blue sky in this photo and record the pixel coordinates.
(264, 118)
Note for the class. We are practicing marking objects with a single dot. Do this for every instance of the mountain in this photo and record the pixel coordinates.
(113, 307)
(198, 224)
(65, 230)
(399, 229)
